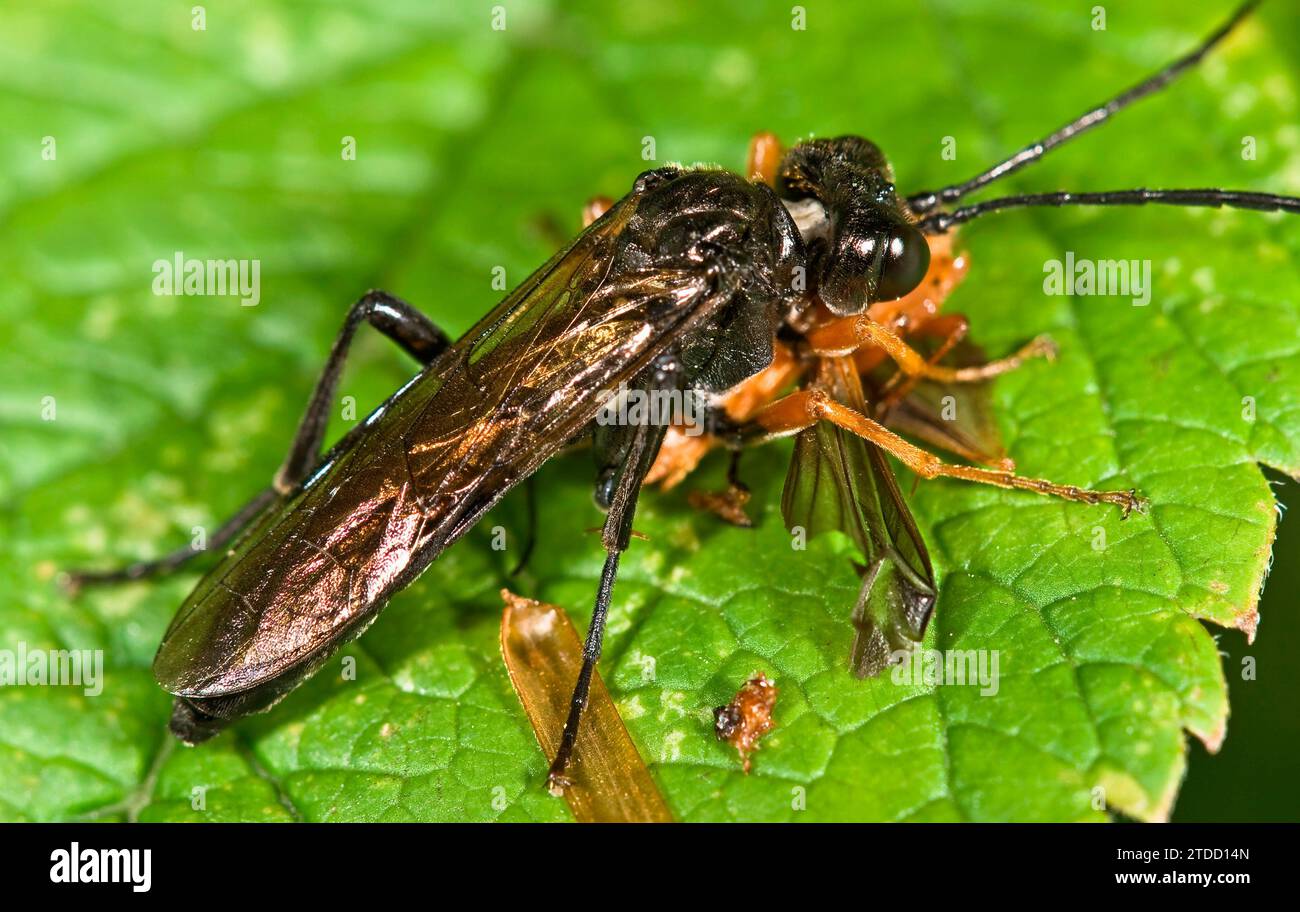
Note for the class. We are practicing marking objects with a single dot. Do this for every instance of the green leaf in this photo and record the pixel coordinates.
(171, 411)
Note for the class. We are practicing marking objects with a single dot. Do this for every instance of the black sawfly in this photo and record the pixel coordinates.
(697, 280)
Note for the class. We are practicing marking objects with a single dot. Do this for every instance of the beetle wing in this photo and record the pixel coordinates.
(510, 393)
(839, 482)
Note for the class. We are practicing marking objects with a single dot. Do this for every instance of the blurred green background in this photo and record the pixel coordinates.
(475, 147)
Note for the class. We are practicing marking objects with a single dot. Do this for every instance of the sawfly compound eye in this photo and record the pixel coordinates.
(905, 261)
(874, 262)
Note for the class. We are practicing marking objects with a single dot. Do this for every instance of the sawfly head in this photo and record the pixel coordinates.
(862, 243)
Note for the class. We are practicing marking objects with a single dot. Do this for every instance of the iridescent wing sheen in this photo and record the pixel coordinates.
(510, 393)
(839, 482)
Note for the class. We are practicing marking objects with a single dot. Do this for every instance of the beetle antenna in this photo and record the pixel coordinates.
(927, 201)
(940, 222)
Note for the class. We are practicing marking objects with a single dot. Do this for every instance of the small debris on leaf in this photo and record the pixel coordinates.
(748, 717)
(608, 782)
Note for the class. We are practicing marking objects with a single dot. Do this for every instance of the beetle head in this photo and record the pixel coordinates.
(861, 239)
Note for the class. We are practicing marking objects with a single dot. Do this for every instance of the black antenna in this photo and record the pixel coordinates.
(940, 222)
(922, 203)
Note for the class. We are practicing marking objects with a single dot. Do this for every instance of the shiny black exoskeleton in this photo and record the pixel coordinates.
(853, 243)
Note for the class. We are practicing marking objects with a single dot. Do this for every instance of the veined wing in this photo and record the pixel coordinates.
(839, 482)
(510, 393)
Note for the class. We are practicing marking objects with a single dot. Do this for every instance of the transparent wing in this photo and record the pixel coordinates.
(839, 482)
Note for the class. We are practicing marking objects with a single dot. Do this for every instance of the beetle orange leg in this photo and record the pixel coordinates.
(764, 158)
(847, 335)
(950, 329)
(805, 408)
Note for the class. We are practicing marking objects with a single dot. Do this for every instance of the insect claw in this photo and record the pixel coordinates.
(728, 505)
(69, 583)
(1134, 501)
(557, 783)
(1045, 347)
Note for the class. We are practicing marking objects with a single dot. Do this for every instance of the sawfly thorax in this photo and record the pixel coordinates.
(862, 243)
(740, 234)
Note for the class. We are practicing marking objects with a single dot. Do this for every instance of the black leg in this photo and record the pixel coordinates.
(393, 317)
(636, 447)
(556, 779)
(733, 471)
(615, 535)
(530, 507)
(159, 566)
